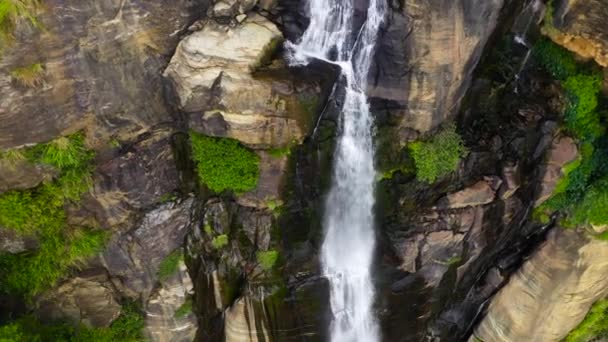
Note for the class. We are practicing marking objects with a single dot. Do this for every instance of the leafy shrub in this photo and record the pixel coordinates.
(559, 62)
(581, 117)
(219, 241)
(126, 328)
(40, 212)
(224, 164)
(592, 208)
(267, 259)
(438, 156)
(594, 326)
(170, 264)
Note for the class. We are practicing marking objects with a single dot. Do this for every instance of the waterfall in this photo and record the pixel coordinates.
(347, 251)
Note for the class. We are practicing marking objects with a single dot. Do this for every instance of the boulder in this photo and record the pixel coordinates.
(477, 194)
(133, 258)
(211, 75)
(169, 315)
(580, 26)
(551, 293)
(87, 299)
(11, 242)
(20, 174)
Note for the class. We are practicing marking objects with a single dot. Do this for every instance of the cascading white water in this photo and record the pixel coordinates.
(347, 250)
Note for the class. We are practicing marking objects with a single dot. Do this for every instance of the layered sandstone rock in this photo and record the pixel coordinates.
(426, 57)
(101, 63)
(211, 73)
(580, 26)
(551, 293)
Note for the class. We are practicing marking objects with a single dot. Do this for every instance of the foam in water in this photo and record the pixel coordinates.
(347, 250)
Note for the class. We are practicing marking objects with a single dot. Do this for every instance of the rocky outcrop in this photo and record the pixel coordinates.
(169, 315)
(132, 259)
(480, 193)
(426, 57)
(137, 178)
(12, 242)
(101, 64)
(87, 299)
(211, 73)
(19, 174)
(551, 293)
(563, 150)
(580, 26)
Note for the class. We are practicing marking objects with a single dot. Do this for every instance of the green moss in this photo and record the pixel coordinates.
(207, 229)
(170, 265)
(128, 327)
(594, 326)
(267, 53)
(12, 11)
(267, 259)
(40, 212)
(438, 156)
(224, 164)
(29, 76)
(280, 152)
(220, 241)
(184, 309)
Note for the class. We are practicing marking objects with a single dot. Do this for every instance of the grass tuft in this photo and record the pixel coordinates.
(31, 76)
(267, 259)
(11, 12)
(220, 241)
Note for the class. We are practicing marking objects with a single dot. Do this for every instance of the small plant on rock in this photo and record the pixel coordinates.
(438, 156)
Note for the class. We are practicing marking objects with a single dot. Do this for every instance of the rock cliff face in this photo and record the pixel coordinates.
(137, 76)
(428, 51)
(551, 293)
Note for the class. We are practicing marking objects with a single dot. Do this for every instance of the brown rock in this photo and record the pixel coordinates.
(479, 193)
(88, 300)
(563, 151)
(551, 293)
(580, 26)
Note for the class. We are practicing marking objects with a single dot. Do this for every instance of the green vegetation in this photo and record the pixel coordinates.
(208, 229)
(438, 156)
(267, 259)
(40, 212)
(170, 264)
(30, 76)
(582, 191)
(184, 310)
(11, 11)
(126, 328)
(280, 152)
(224, 164)
(594, 326)
(219, 241)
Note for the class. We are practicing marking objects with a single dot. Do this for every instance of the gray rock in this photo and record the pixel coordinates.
(88, 300)
(563, 151)
(11, 242)
(132, 259)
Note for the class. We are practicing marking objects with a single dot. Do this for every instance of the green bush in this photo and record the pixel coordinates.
(224, 164)
(594, 326)
(581, 117)
(438, 156)
(126, 328)
(267, 259)
(170, 264)
(592, 208)
(39, 212)
(559, 62)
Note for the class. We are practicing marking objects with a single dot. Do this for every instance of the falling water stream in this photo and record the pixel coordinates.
(347, 250)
